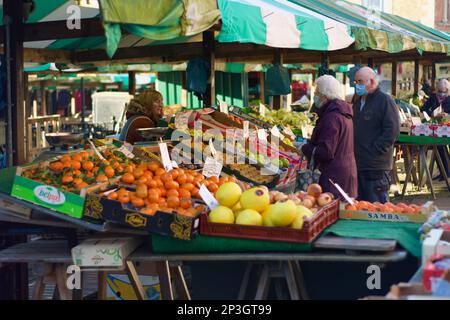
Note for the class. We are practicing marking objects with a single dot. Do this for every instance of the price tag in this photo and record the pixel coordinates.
(182, 119)
(416, 121)
(212, 168)
(174, 164)
(127, 149)
(409, 113)
(342, 192)
(212, 149)
(223, 107)
(246, 130)
(437, 111)
(427, 117)
(96, 150)
(402, 116)
(207, 197)
(288, 131)
(165, 157)
(276, 132)
(262, 109)
(262, 134)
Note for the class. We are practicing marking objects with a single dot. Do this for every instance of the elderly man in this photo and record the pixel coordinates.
(440, 99)
(376, 125)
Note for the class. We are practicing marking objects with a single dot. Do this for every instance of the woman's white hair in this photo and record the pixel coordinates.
(329, 87)
(444, 84)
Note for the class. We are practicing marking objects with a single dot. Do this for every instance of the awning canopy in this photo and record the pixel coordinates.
(323, 25)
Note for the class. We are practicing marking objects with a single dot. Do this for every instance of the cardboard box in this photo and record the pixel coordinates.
(432, 272)
(117, 286)
(382, 216)
(164, 223)
(104, 253)
(436, 242)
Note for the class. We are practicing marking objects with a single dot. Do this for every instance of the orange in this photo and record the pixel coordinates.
(172, 192)
(82, 185)
(213, 187)
(76, 172)
(159, 172)
(124, 199)
(88, 165)
(153, 166)
(89, 174)
(152, 184)
(142, 180)
(127, 178)
(182, 178)
(153, 197)
(232, 179)
(148, 211)
(109, 171)
(138, 172)
(67, 164)
(77, 180)
(188, 186)
(138, 202)
(166, 177)
(113, 196)
(171, 185)
(214, 179)
(183, 193)
(185, 203)
(56, 166)
(66, 158)
(222, 180)
(194, 192)
(77, 157)
(350, 207)
(101, 178)
(67, 179)
(174, 173)
(162, 192)
(173, 202)
(141, 191)
(190, 178)
(84, 155)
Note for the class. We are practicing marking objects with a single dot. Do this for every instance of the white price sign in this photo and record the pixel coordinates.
(289, 132)
(262, 110)
(165, 157)
(207, 197)
(427, 117)
(276, 132)
(212, 168)
(246, 132)
(262, 134)
(127, 149)
(223, 107)
(212, 149)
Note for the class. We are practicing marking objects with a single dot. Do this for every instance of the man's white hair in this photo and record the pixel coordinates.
(329, 87)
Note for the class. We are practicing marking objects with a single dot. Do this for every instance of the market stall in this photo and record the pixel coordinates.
(254, 210)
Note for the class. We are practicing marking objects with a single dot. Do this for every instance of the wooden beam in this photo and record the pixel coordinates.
(12, 16)
(262, 91)
(416, 76)
(57, 30)
(209, 54)
(277, 59)
(394, 79)
(433, 77)
(45, 55)
(132, 82)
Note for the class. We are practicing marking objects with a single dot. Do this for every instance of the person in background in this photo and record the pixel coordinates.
(331, 144)
(144, 111)
(377, 125)
(440, 99)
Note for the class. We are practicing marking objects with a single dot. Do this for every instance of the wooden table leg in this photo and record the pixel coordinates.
(165, 281)
(61, 282)
(441, 166)
(423, 158)
(180, 283)
(262, 290)
(245, 280)
(408, 169)
(298, 273)
(135, 281)
(288, 272)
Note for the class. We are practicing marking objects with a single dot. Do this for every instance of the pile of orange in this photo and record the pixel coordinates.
(75, 172)
(156, 189)
(379, 207)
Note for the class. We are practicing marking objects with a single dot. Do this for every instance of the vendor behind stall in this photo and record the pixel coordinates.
(144, 111)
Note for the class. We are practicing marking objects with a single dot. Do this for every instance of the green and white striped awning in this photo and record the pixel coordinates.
(308, 24)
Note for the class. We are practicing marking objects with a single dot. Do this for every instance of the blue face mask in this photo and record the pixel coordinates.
(360, 89)
(317, 101)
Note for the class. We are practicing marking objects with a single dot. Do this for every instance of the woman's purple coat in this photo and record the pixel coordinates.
(334, 156)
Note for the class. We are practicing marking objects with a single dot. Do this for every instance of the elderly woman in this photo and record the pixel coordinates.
(331, 144)
(143, 111)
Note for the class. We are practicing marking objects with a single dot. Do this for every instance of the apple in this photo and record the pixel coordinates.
(307, 203)
(314, 190)
(330, 194)
(311, 198)
(301, 195)
(324, 199)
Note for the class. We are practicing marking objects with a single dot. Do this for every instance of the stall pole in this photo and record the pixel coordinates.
(43, 99)
(132, 82)
(394, 79)
(209, 55)
(277, 59)
(416, 75)
(370, 63)
(83, 107)
(433, 76)
(262, 94)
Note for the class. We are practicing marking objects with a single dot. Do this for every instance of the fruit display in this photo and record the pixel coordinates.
(76, 171)
(148, 188)
(251, 173)
(259, 207)
(387, 207)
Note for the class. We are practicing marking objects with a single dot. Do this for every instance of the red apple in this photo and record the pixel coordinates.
(301, 195)
(314, 190)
